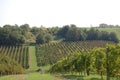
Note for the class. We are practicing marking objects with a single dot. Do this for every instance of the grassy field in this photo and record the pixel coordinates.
(38, 76)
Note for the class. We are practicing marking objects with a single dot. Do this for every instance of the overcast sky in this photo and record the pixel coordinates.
(59, 12)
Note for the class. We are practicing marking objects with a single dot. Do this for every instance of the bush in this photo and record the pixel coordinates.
(9, 66)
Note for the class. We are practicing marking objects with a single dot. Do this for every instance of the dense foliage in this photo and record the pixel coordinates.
(9, 66)
(17, 35)
(73, 33)
(11, 35)
(41, 38)
(101, 61)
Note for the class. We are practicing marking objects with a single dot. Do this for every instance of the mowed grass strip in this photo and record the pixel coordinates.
(32, 59)
(39, 76)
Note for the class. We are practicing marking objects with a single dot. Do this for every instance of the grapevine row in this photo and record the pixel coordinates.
(52, 52)
(18, 53)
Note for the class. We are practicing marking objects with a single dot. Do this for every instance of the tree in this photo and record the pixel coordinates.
(93, 34)
(11, 35)
(35, 30)
(25, 27)
(113, 37)
(48, 38)
(40, 39)
(104, 36)
(103, 25)
(73, 34)
(43, 38)
(63, 31)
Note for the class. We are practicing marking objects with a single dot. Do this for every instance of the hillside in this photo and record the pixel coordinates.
(116, 30)
(37, 49)
(42, 56)
(24, 34)
(50, 53)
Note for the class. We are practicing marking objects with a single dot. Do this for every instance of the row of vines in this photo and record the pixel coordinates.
(18, 53)
(50, 53)
(103, 61)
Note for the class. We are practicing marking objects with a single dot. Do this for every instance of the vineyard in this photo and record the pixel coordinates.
(80, 58)
(18, 53)
(102, 61)
(52, 52)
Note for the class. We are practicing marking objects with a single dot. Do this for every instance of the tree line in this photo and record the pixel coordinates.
(104, 25)
(11, 35)
(16, 35)
(73, 33)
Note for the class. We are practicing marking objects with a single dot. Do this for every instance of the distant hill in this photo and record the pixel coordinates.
(116, 30)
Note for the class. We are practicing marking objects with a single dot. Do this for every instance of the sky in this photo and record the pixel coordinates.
(49, 13)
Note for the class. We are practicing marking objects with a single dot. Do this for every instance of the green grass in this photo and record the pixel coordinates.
(47, 76)
(45, 67)
(38, 76)
(31, 76)
(32, 59)
(79, 77)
